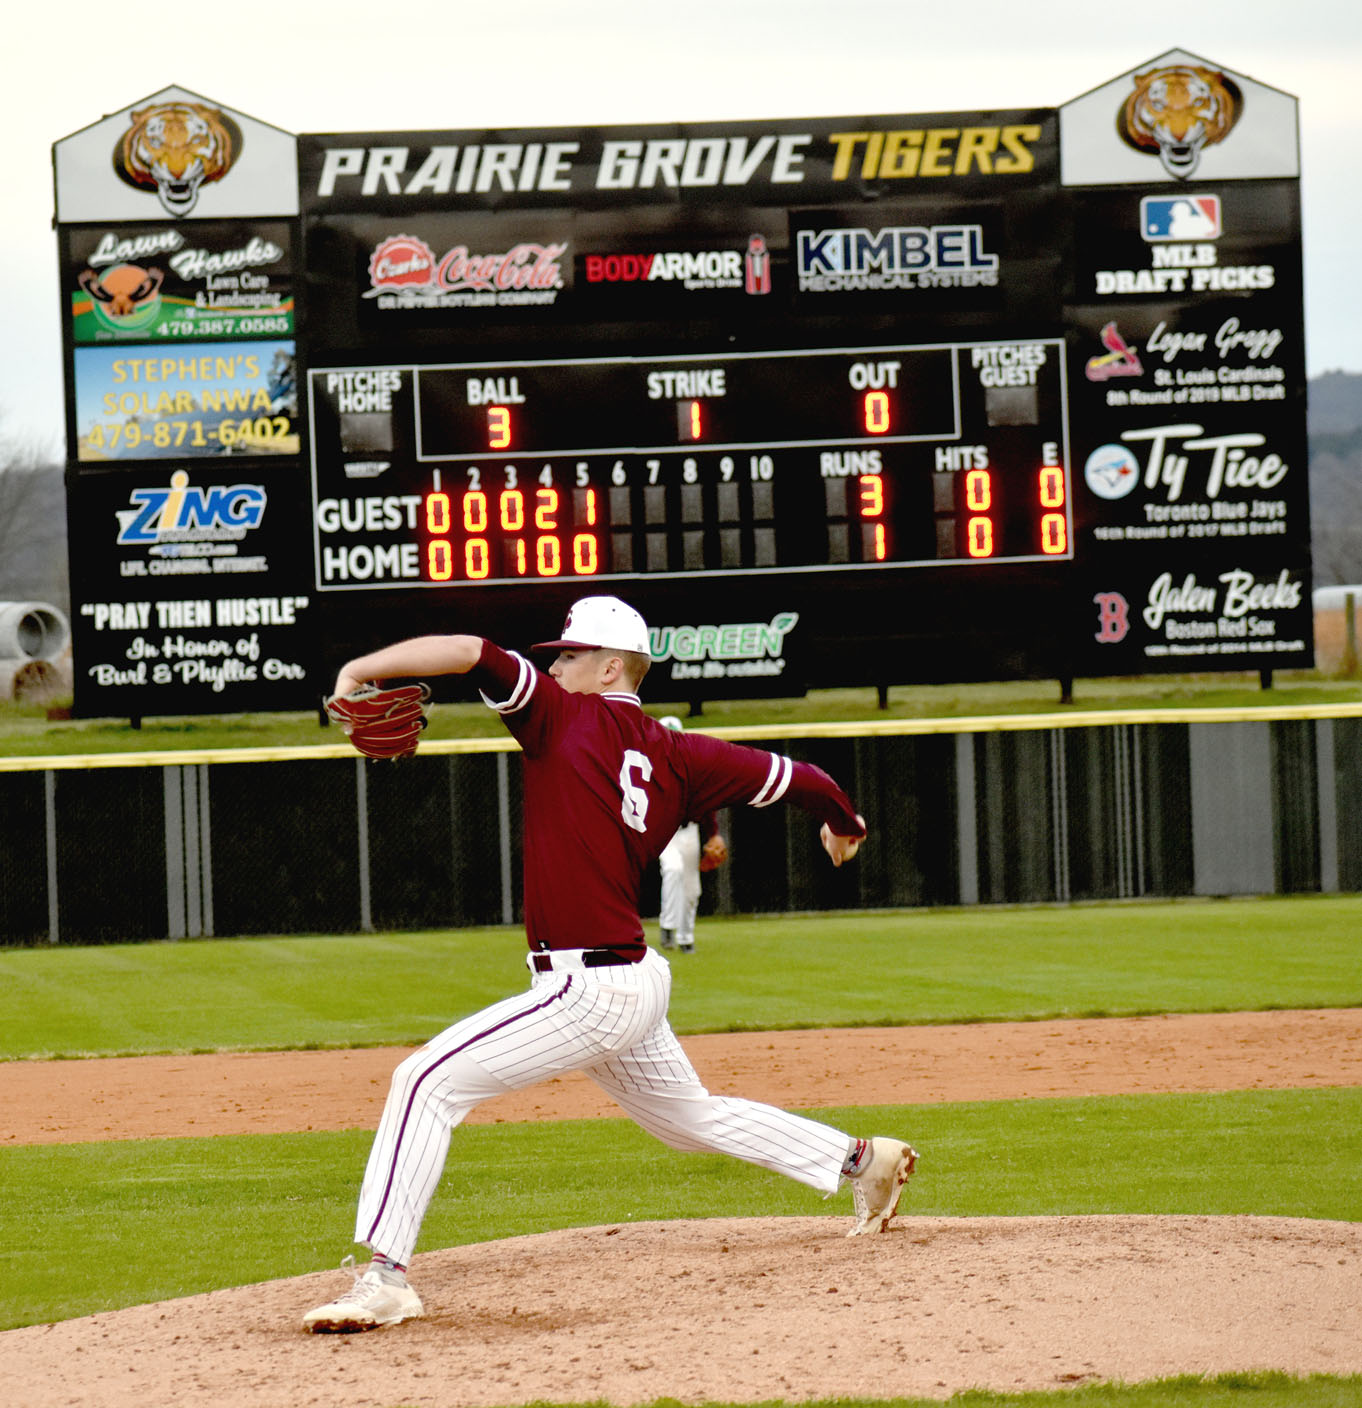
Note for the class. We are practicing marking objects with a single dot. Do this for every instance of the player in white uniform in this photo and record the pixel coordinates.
(679, 865)
(605, 787)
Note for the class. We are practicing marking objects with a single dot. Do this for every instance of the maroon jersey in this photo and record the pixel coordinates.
(605, 788)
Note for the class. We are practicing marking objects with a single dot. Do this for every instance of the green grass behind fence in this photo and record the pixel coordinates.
(26, 730)
(889, 968)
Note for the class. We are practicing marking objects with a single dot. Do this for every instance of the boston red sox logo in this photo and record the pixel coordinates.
(1113, 617)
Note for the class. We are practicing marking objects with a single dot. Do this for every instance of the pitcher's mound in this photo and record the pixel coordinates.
(743, 1310)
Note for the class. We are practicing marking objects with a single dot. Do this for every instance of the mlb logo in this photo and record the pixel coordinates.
(1180, 218)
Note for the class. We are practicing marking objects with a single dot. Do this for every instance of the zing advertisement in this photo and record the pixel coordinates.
(205, 606)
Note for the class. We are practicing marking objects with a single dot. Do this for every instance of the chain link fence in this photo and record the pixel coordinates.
(108, 854)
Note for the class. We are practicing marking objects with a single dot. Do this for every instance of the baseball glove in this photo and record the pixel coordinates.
(713, 854)
(382, 723)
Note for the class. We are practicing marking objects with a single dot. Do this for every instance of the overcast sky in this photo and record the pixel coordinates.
(414, 65)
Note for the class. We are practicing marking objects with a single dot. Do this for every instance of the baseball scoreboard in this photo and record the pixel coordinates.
(727, 464)
(836, 401)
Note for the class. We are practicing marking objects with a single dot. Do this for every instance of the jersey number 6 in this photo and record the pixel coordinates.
(634, 803)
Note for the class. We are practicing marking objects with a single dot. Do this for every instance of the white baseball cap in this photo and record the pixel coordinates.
(673, 722)
(601, 623)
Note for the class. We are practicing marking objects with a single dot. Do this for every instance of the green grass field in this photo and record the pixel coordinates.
(140, 1220)
(881, 968)
(95, 1227)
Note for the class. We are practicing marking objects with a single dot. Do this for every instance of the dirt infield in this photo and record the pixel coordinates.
(736, 1310)
(59, 1102)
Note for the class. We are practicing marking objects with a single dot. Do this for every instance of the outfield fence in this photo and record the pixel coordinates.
(108, 848)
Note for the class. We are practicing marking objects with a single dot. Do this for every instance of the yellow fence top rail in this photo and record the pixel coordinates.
(861, 728)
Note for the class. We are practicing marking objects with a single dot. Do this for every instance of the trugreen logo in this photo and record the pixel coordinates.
(727, 650)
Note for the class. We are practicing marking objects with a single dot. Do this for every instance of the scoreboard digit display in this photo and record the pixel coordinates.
(604, 470)
(833, 401)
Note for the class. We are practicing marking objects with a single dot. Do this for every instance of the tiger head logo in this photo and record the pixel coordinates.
(176, 148)
(1178, 112)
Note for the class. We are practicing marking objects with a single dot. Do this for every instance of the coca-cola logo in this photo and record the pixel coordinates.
(401, 261)
(404, 262)
(524, 266)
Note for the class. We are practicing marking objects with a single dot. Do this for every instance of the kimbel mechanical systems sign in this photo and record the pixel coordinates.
(935, 397)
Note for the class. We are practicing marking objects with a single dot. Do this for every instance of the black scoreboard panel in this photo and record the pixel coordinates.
(849, 400)
(837, 381)
(800, 405)
(727, 464)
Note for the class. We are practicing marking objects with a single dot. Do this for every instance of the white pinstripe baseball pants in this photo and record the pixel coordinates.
(610, 1023)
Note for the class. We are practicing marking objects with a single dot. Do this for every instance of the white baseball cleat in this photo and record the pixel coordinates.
(877, 1188)
(369, 1303)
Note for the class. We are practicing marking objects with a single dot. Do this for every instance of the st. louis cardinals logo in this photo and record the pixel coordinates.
(1113, 618)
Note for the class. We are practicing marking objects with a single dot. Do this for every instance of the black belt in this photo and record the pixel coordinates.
(591, 958)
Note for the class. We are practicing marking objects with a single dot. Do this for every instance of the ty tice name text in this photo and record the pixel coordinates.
(1228, 466)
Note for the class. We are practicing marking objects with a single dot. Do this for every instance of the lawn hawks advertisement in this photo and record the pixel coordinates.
(198, 601)
(174, 283)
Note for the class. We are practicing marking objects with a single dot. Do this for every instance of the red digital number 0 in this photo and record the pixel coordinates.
(1051, 487)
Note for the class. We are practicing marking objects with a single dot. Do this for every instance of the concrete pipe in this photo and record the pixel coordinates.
(29, 681)
(32, 630)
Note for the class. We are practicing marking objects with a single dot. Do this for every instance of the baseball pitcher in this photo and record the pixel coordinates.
(605, 789)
